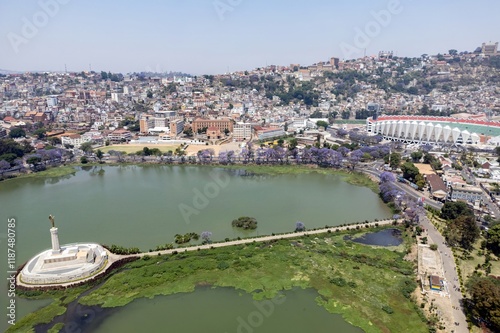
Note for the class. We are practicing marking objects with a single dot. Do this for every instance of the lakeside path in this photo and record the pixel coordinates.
(263, 238)
(112, 258)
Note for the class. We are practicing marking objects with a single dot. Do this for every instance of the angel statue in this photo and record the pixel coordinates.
(51, 218)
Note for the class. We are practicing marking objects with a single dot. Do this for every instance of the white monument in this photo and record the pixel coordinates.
(56, 249)
(63, 264)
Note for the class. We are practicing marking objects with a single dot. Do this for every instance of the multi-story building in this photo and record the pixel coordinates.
(146, 123)
(120, 135)
(466, 193)
(242, 131)
(264, 133)
(176, 127)
(160, 122)
(489, 48)
(220, 124)
(75, 140)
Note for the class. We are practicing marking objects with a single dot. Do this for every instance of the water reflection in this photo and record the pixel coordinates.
(386, 237)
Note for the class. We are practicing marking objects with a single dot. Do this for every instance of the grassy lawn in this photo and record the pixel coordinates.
(134, 148)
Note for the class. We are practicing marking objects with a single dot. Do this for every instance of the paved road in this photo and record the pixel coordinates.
(450, 274)
(446, 254)
(403, 187)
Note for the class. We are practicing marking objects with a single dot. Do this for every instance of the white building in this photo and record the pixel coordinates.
(421, 130)
(242, 131)
(76, 140)
(265, 133)
(466, 193)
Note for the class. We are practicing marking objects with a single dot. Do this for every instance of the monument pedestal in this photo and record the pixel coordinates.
(56, 249)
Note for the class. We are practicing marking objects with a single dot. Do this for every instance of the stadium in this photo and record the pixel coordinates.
(433, 130)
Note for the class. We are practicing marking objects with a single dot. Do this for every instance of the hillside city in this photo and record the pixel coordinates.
(427, 129)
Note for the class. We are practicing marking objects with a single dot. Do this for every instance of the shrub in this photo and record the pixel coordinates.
(222, 265)
(338, 281)
(388, 309)
(245, 222)
(434, 247)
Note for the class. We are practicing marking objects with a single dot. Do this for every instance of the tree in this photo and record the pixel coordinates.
(17, 132)
(393, 159)
(462, 231)
(4, 165)
(86, 147)
(452, 52)
(40, 133)
(292, 144)
(420, 181)
(410, 171)
(322, 123)
(206, 237)
(485, 300)
(300, 226)
(54, 141)
(245, 222)
(416, 156)
(493, 239)
(9, 157)
(99, 154)
(452, 210)
(34, 160)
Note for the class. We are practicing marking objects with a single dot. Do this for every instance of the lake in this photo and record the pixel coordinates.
(145, 206)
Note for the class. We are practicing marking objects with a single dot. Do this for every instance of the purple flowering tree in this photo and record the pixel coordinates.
(344, 151)
(300, 226)
(355, 158)
(206, 237)
(4, 165)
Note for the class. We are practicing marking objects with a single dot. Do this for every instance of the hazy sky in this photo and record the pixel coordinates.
(212, 36)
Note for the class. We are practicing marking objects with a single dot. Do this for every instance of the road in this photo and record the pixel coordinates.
(403, 187)
(450, 272)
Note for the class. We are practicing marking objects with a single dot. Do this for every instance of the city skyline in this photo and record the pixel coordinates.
(216, 36)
